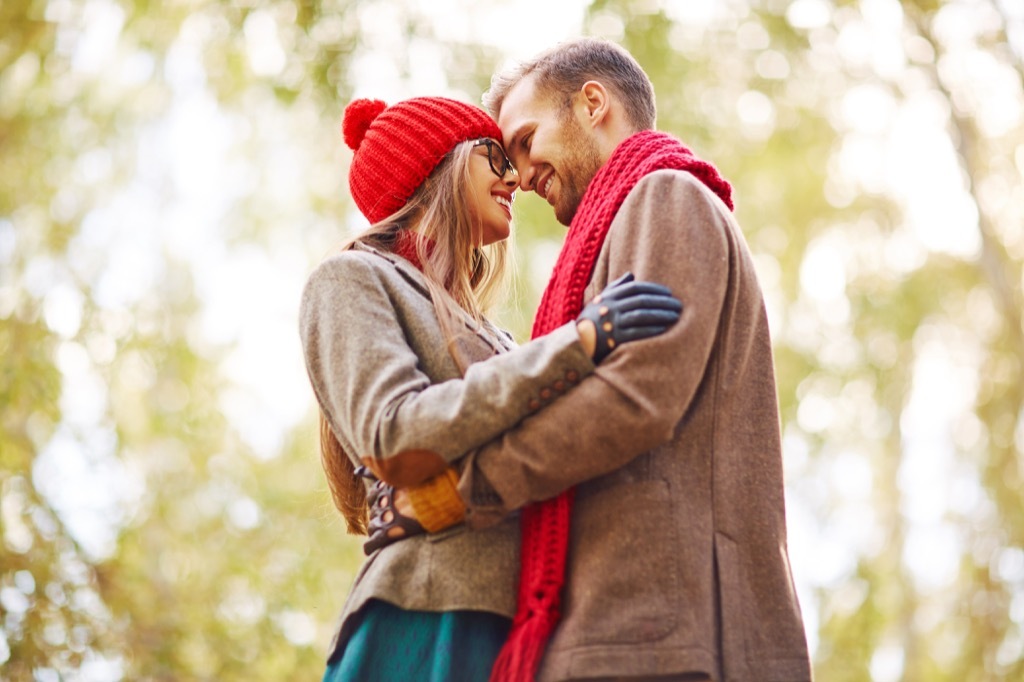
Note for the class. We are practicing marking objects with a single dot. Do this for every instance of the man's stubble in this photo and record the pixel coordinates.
(581, 163)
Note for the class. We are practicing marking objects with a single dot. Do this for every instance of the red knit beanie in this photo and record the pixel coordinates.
(397, 147)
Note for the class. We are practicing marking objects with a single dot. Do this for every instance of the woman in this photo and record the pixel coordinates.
(410, 375)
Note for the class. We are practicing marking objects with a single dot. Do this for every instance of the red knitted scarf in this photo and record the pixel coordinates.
(545, 525)
(405, 246)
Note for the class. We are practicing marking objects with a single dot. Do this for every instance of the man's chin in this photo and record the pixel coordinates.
(565, 214)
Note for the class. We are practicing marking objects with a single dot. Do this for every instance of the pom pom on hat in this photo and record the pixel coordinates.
(396, 147)
(359, 114)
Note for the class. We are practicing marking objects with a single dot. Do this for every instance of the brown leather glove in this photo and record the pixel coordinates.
(436, 505)
(387, 525)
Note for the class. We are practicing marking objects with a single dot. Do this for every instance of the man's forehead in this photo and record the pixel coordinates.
(519, 109)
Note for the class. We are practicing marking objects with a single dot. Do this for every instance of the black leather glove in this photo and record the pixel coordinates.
(627, 311)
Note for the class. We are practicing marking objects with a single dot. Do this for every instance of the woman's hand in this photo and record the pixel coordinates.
(625, 311)
(391, 515)
(398, 513)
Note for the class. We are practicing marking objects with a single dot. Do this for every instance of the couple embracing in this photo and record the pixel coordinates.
(604, 502)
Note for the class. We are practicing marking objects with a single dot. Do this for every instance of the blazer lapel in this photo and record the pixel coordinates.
(497, 340)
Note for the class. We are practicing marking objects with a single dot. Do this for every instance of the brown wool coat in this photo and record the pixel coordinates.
(677, 559)
(379, 366)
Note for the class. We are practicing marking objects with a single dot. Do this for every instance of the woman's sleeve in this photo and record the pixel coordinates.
(368, 380)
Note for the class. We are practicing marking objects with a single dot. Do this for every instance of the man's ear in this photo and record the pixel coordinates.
(595, 102)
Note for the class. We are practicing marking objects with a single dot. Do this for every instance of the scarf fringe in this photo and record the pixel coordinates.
(521, 656)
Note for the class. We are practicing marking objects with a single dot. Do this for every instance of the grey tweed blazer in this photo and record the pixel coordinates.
(381, 371)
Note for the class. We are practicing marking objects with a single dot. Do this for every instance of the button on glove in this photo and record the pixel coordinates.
(627, 310)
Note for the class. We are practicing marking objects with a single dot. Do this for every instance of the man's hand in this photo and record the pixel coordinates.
(626, 311)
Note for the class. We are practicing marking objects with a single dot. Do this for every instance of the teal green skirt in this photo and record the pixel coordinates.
(394, 645)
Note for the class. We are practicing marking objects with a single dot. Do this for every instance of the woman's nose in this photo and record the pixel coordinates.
(511, 181)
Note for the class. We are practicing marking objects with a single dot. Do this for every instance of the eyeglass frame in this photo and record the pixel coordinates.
(490, 144)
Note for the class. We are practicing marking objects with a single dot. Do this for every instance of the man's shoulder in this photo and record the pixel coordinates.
(656, 185)
(668, 213)
(669, 194)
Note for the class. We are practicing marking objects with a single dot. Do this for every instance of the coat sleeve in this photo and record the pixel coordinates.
(670, 230)
(369, 383)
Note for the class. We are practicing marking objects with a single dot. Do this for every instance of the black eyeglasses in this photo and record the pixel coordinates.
(496, 157)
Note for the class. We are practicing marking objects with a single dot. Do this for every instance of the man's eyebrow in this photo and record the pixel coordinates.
(515, 138)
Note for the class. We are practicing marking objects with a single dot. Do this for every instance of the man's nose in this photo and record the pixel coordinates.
(526, 177)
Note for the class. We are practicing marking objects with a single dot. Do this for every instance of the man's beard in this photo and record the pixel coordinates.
(578, 168)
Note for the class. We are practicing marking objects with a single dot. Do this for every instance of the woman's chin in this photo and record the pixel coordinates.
(497, 235)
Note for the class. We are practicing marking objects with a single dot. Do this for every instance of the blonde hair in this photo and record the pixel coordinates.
(460, 275)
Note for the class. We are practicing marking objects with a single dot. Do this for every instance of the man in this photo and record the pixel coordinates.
(677, 564)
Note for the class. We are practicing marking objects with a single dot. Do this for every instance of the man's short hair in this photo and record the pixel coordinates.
(562, 70)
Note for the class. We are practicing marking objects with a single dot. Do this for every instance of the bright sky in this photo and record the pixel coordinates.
(250, 294)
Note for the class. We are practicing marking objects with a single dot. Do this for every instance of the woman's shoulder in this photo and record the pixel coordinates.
(356, 266)
(344, 276)
(362, 272)
(356, 259)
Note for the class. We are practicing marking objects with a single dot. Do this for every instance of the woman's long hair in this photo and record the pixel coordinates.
(461, 277)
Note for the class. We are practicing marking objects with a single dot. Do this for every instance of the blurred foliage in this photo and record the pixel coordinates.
(224, 559)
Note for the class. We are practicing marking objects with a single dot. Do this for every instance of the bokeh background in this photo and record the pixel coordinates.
(171, 171)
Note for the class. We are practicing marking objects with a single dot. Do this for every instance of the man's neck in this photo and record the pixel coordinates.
(611, 137)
